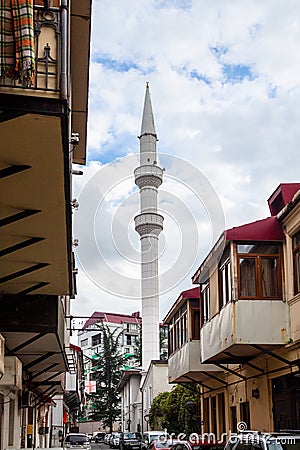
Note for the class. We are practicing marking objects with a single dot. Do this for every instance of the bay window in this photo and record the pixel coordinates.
(259, 270)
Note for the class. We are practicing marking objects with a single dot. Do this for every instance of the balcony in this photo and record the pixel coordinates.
(185, 365)
(62, 51)
(33, 328)
(147, 223)
(37, 126)
(148, 175)
(232, 336)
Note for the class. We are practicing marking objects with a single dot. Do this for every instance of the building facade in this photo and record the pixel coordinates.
(241, 343)
(43, 122)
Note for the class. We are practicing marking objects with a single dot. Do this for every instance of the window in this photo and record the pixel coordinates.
(130, 340)
(195, 324)
(178, 330)
(296, 253)
(84, 342)
(259, 270)
(224, 284)
(96, 339)
(206, 300)
(245, 414)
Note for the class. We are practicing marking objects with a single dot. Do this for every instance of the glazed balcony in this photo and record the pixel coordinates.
(184, 365)
(242, 329)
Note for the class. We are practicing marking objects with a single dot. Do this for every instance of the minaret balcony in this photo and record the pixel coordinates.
(148, 223)
(148, 175)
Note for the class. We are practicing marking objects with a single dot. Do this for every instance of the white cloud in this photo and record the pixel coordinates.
(224, 78)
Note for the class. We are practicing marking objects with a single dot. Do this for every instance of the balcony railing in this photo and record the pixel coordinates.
(232, 335)
(185, 364)
(50, 60)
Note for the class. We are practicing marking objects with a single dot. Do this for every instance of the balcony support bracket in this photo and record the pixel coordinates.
(226, 369)
(268, 352)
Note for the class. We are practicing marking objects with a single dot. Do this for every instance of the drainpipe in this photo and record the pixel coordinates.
(64, 50)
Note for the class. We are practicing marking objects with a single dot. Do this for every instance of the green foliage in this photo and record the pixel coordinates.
(107, 370)
(171, 411)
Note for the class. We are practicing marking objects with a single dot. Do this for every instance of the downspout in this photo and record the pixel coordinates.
(64, 50)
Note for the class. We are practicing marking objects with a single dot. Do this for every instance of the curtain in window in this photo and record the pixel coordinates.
(17, 40)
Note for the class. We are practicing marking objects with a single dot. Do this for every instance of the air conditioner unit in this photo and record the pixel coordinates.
(12, 377)
(2, 340)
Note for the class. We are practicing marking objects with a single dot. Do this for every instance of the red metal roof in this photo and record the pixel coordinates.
(98, 316)
(261, 230)
(282, 195)
(185, 295)
(75, 347)
(191, 293)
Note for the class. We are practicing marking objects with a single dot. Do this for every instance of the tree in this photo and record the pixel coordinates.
(178, 411)
(107, 368)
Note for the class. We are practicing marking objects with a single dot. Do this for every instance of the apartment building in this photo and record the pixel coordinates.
(43, 122)
(238, 338)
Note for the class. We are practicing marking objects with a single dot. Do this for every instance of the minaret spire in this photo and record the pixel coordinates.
(149, 224)
(148, 126)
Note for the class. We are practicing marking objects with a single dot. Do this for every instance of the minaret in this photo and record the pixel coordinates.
(149, 224)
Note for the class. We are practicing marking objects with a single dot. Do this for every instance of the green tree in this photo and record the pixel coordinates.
(178, 411)
(107, 368)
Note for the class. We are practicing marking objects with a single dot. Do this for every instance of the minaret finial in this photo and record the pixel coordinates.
(148, 119)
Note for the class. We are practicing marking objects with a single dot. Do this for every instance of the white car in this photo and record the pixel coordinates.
(77, 440)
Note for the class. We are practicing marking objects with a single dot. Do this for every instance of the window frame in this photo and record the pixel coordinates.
(258, 258)
(296, 265)
(225, 268)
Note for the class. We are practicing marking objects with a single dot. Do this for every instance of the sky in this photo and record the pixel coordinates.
(225, 90)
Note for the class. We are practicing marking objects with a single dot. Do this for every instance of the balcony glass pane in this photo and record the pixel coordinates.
(258, 248)
(247, 277)
(269, 277)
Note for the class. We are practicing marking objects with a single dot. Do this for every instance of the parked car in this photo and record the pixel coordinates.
(107, 438)
(99, 437)
(199, 444)
(130, 440)
(77, 440)
(114, 440)
(150, 436)
(162, 444)
(248, 440)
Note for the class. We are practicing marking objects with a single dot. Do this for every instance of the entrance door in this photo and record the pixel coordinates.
(286, 402)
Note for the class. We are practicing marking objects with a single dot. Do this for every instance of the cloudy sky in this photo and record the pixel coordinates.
(225, 89)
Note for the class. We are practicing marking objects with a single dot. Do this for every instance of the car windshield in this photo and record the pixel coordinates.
(81, 439)
(167, 444)
(284, 443)
(131, 436)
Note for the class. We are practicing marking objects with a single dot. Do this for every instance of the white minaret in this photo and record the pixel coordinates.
(149, 224)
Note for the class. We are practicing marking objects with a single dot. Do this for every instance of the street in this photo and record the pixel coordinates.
(101, 446)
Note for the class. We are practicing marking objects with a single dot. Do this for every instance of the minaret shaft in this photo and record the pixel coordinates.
(149, 224)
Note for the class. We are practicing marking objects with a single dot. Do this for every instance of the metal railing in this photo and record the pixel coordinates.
(49, 48)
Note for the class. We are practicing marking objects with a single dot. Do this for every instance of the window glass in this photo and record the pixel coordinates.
(247, 277)
(269, 277)
(96, 339)
(257, 247)
(296, 251)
